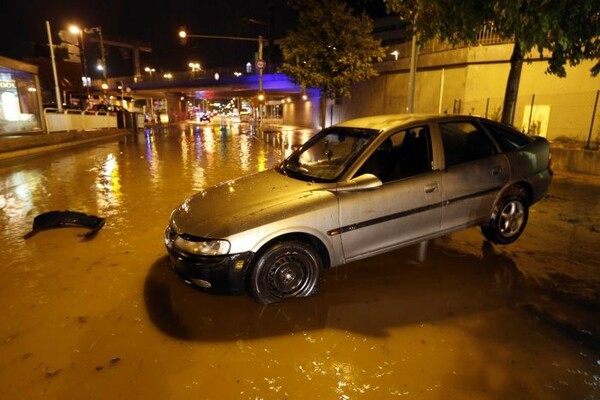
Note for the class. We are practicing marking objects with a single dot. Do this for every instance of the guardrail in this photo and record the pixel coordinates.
(77, 120)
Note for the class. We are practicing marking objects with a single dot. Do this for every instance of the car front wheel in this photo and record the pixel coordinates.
(509, 218)
(286, 269)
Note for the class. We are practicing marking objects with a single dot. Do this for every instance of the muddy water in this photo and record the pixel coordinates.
(106, 318)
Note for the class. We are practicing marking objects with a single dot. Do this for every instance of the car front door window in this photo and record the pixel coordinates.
(403, 154)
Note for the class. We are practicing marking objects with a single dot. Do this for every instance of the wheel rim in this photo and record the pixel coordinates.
(511, 218)
(289, 275)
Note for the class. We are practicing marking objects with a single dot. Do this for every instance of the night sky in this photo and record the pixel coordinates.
(155, 23)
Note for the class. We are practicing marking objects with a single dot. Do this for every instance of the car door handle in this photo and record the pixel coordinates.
(433, 187)
(496, 170)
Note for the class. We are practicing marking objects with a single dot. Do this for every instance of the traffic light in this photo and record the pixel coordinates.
(261, 97)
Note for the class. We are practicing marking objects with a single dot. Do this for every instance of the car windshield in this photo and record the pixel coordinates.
(327, 154)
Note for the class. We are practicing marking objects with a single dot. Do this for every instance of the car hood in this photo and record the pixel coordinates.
(244, 203)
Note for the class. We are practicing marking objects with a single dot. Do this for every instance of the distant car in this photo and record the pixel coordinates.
(354, 190)
(204, 118)
(245, 116)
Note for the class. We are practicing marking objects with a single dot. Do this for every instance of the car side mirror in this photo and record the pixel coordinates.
(362, 182)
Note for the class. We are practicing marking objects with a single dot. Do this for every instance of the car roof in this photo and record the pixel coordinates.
(389, 121)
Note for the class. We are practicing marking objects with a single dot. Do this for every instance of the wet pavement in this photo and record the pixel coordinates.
(454, 318)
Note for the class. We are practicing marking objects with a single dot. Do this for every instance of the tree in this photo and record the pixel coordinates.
(331, 49)
(566, 30)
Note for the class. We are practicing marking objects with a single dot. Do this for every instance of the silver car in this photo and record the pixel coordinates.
(354, 190)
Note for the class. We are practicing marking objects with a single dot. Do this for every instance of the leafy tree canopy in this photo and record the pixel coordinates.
(568, 29)
(331, 48)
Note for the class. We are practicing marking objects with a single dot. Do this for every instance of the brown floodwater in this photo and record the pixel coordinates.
(107, 318)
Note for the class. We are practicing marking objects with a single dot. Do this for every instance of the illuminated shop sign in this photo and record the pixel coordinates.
(7, 82)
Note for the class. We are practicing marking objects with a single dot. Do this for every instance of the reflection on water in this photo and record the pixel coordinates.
(108, 187)
(108, 318)
(150, 174)
(412, 293)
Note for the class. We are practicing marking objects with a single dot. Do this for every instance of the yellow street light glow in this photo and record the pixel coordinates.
(182, 34)
(104, 85)
(74, 29)
(261, 97)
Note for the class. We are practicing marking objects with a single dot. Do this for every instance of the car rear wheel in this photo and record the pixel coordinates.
(509, 217)
(286, 269)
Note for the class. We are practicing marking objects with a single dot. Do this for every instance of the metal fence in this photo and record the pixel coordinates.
(572, 117)
(486, 36)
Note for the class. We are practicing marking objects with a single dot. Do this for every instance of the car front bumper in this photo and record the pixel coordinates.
(215, 274)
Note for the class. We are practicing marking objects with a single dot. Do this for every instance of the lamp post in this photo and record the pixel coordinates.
(150, 71)
(260, 65)
(85, 79)
(194, 67)
(98, 30)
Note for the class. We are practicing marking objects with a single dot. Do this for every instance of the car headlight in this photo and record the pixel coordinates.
(201, 246)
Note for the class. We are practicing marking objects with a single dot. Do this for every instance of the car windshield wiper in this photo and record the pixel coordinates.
(295, 171)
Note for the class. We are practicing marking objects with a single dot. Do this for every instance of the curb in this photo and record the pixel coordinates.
(25, 146)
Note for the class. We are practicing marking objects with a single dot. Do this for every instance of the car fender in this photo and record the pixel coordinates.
(332, 244)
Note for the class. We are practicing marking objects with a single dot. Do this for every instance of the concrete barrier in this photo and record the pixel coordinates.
(28, 145)
(75, 120)
(576, 160)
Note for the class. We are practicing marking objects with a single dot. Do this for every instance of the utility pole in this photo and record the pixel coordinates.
(56, 87)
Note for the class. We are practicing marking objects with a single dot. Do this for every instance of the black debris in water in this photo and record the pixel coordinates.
(63, 219)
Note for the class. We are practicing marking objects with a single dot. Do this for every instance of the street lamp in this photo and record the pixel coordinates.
(195, 67)
(150, 70)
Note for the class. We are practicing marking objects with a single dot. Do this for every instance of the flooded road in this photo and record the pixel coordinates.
(107, 318)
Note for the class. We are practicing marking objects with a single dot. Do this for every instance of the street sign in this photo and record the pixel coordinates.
(261, 64)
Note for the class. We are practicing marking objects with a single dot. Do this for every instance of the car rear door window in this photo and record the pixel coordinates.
(508, 139)
(464, 141)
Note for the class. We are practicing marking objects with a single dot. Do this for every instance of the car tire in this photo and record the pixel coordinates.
(285, 270)
(509, 217)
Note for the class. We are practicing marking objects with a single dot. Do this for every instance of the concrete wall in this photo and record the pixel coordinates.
(302, 113)
(473, 81)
